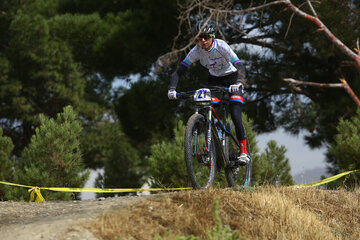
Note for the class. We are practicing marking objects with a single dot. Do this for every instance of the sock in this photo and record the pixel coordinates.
(243, 144)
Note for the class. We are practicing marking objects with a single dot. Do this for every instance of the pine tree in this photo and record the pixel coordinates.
(276, 168)
(98, 140)
(166, 162)
(39, 73)
(122, 163)
(53, 158)
(345, 151)
(6, 164)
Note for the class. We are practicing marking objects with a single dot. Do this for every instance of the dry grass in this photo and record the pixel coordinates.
(266, 213)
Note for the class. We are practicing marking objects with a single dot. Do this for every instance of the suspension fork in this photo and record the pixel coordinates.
(195, 135)
(209, 136)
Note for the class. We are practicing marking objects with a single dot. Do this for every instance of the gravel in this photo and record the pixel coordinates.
(54, 220)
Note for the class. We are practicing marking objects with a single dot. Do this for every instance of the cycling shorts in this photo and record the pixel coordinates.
(225, 81)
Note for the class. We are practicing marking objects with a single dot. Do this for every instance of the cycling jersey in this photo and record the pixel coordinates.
(220, 59)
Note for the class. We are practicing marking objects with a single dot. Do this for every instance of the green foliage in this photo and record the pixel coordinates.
(345, 149)
(166, 162)
(53, 158)
(145, 112)
(137, 32)
(6, 164)
(98, 140)
(123, 167)
(39, 74)
(276, 168)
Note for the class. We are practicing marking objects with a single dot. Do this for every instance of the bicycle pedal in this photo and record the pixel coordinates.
(235, 171)
(241, 164)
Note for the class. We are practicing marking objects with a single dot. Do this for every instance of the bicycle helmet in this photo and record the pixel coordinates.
(208, 29)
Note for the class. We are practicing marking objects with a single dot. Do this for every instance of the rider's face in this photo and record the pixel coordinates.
(205, 41)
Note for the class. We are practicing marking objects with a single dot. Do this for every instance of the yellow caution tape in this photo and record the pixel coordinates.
(326, 180)
(110, 190)
(33, 191)
(39, 198)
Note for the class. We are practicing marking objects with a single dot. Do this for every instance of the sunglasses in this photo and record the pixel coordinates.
(204, 36)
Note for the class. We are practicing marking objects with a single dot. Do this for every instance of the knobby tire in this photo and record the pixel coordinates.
(201, 175)
(231, 150)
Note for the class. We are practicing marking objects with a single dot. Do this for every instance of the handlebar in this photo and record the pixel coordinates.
(184, 95)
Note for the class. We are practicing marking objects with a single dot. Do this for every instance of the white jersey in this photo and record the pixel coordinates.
(219, 59)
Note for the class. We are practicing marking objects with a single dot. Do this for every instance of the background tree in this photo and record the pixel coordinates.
(40, 74)
(98, 139)
(277, 169)
(145, 112)
(6, 164)
(167, 163)
(55, 53)
(53, 158)
(345, 150)
(123, 167)
(138, 33)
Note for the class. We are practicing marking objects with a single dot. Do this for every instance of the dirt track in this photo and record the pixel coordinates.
(56, 220)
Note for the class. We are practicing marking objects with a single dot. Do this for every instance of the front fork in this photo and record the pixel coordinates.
(208, 139)
(209, 136)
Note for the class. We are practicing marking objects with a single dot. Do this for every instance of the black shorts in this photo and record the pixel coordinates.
(225, 81)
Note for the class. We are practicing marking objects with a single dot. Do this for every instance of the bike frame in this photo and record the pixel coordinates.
(214, 125)
(221, 142)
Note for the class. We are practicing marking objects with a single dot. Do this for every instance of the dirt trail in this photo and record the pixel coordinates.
(56, 220)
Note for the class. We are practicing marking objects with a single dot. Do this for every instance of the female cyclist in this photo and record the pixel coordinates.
(225, 70)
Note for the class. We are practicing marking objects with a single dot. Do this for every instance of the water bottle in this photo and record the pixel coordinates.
(220, 134)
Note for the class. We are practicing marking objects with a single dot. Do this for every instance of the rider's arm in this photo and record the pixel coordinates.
(241, 70)
(192, 57)
(175, 77)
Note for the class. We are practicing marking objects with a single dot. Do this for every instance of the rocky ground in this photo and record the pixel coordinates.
(54, 220)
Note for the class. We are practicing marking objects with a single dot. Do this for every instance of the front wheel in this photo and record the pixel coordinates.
(199, 157)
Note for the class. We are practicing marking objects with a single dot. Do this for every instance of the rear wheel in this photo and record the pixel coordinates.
(199, 158)
(240, 175)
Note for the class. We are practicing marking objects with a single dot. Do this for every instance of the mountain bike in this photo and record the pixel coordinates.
(209, 144)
